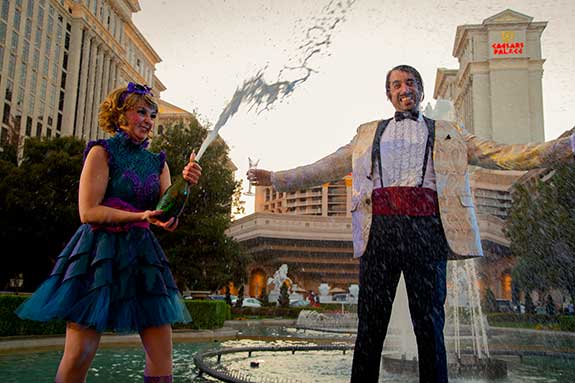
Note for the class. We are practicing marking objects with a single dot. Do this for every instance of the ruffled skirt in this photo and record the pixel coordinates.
(109, 281)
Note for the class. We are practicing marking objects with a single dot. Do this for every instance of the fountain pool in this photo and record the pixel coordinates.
(126, 363)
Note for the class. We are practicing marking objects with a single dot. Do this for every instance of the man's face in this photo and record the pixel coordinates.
(404, 92)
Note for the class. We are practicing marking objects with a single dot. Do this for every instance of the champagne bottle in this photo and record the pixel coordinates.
(174, 199)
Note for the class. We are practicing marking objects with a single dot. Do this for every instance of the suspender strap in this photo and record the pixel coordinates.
(428, 147)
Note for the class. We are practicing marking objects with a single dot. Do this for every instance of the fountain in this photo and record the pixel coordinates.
(277, 281)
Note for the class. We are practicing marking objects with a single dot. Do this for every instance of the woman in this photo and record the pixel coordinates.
(113, 274)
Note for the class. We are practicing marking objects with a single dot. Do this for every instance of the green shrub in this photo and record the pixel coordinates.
(12, 325)
(270, 311)
(567, 323)
(205, 315)
(528, 320)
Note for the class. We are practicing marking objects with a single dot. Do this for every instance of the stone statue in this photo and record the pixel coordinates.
(280, 276)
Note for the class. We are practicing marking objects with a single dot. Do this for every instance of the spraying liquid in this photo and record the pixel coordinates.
(261, 95)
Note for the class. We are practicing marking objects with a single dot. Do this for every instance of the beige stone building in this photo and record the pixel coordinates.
(58, 60)
(328, 200)
(317, 249)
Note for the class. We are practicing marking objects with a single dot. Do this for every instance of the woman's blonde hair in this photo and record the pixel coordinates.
(112, 110)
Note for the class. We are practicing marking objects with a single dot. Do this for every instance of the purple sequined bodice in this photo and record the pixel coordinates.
(134, 171)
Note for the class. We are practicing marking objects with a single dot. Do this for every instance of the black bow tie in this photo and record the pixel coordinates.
(412, 114)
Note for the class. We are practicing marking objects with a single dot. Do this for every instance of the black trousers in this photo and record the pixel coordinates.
(417, 247)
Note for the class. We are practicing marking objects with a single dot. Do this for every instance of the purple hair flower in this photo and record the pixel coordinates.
(135, 88)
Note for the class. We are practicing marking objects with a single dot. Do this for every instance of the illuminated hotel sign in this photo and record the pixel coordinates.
(508, 45)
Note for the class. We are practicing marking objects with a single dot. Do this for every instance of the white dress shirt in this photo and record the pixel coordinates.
(402, 149)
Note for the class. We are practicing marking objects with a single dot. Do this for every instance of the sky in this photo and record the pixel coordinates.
(210, 48)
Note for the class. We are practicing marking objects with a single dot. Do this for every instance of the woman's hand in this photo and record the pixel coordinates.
(169, 225)
(192, 171)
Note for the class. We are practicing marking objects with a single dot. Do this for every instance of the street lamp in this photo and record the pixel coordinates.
(16, 283)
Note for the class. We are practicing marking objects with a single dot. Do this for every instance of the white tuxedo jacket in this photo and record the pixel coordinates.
(454, 148)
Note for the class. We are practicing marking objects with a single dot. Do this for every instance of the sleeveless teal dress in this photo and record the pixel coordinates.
(114, 277)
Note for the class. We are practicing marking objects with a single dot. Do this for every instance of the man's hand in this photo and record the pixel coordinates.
(259, 177)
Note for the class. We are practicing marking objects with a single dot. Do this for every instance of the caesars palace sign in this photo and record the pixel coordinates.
(508, 45)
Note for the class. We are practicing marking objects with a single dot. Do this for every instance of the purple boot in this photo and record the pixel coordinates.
(158, 379)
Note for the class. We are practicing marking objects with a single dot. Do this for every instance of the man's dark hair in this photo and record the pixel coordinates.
(407, 69)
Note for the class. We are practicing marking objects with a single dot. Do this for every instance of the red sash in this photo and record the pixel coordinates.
(401, 200)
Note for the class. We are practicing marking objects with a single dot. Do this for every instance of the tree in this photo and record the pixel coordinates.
(541, 228)
(202, 255)
(228, 297)
(489, 301)
(529, 305)
(264, 298)
(283, 299)
(240, 300)
(550, 307)
(39, 208)
(515, 292)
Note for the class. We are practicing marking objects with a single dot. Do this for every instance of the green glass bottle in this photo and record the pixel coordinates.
(174, 199)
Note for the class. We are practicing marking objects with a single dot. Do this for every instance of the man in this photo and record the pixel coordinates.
(412, 209)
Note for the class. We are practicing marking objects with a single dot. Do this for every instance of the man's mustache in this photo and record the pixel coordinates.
(411, 95)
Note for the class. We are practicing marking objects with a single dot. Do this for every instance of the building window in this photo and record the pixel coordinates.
(9, 90)
(5, 7)
(61, 101)
(15, 39)
(59, 122)
(6, 116)
(30, 10)
(17, 18)
(28, 126)
(38, 38)
(28, 29)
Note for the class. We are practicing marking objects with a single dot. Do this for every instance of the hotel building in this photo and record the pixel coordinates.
(58, 60)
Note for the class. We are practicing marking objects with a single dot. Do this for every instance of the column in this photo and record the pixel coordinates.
(90, 89)
(97, 93)
(84, 70)
(106, 77)
(114, 73)
(72, 78)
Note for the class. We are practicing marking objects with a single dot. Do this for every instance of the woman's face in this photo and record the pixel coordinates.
(140, 121)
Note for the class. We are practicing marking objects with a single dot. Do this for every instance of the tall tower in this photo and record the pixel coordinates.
(497, 94)
(497, 91)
